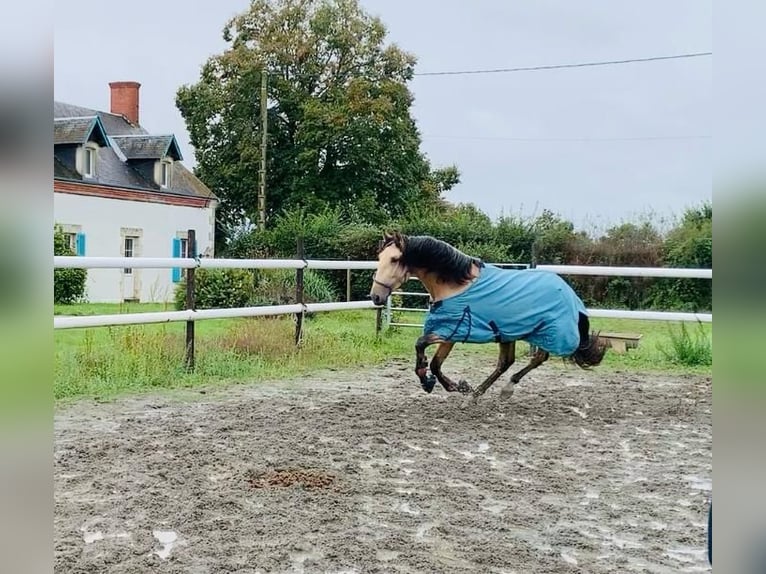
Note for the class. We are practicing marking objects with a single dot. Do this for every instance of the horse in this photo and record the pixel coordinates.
(474, 302)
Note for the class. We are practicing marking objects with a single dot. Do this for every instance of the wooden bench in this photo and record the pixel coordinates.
(620, 342)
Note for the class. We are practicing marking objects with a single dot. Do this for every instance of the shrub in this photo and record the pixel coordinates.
(218, 289)
(487, 252)
(68, 284)
(277, 287)
(690, 244)
(687, 350)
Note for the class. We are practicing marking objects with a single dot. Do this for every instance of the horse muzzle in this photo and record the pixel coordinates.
(377, 299)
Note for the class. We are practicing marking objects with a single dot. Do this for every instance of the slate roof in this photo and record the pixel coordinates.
(63, 171)
(148, 147)
(121, 161)
(78, 130)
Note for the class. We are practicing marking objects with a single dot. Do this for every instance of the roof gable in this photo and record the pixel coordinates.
(79, 130)
(148, 146)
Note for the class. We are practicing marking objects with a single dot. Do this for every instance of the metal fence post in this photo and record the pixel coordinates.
(191, 248)
(532, 265)
(378, 321)
(299, 294)
(348, 281)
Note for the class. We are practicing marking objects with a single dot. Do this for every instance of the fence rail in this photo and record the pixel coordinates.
(76, 322)
(75, 262)
(604, 271)
(72, 261)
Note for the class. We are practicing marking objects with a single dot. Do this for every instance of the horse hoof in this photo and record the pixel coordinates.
(507, 392)
(464, 387)
(428, 383)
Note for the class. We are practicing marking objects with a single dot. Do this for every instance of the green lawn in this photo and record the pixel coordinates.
(108, 361)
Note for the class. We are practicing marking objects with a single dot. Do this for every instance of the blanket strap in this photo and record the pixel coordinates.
(466, 313)
(495, 330)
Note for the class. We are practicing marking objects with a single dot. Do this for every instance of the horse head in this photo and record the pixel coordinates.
(391, 271)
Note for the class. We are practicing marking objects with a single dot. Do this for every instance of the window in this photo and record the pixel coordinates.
(74, 238)
(89, 162)
(180, 250)
(128, 250)
(165, 174)
(71, 239)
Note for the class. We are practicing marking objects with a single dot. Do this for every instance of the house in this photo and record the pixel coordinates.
(122, 191)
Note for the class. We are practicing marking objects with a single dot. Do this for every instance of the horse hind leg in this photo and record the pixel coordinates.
(505, 359)
(537, 359)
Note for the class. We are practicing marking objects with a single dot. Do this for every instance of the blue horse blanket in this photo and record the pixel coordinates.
(504, 305)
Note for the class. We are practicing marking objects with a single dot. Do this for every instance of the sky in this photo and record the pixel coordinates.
(598, 145)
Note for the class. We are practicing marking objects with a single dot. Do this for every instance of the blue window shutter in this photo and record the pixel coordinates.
(80, 244)
(176, 253)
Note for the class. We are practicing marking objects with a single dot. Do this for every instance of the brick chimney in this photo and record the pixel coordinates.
(125, 99)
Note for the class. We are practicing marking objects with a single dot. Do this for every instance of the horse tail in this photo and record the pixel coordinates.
(591, 350)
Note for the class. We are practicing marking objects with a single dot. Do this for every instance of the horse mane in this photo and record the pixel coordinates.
(448, 263)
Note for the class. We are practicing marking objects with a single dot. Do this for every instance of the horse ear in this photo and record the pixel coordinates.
(394, 237)
(397, 239)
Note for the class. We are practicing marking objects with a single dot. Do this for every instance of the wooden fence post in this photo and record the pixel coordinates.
(299, 294)
(191, 247)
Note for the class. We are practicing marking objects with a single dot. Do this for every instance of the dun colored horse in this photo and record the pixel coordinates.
(472, 302)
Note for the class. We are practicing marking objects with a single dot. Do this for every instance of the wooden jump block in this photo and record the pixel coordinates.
(621, 342)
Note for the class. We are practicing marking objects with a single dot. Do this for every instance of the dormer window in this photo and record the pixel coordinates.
(165, 174)
(89, 162)
(77, 142)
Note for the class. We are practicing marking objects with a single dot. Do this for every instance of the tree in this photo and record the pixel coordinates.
(439, 181)
(690, 244)
(553, 237)
(340, 130)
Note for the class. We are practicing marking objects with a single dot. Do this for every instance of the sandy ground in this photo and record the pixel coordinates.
(357, 472)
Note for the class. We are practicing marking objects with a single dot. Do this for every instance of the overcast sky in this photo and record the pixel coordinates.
(510, 134)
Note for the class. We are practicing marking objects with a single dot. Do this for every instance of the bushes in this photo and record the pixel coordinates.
(227, 288)
(218, 288)
(68, 284)
(277, 287)
(689, 244)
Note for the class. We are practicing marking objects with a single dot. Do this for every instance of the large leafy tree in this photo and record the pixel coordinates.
(340, 130)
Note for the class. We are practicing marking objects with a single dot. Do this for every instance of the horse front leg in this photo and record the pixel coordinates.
(421, 361)
(441, 354)
(505, 359)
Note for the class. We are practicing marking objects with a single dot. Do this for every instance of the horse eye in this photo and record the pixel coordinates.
(395, 260)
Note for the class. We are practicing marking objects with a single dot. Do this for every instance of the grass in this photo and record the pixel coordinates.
(109, 361)
(687, 351)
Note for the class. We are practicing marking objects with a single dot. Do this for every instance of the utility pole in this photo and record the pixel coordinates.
(264, 136)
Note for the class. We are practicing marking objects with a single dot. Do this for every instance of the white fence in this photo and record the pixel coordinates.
(71, 322)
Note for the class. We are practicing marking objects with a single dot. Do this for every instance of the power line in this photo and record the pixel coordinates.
(561, 66)
(574, 139)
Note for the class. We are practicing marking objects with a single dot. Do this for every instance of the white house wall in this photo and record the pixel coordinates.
(105, 221)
